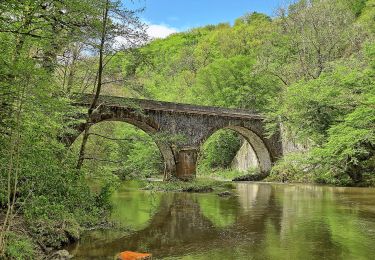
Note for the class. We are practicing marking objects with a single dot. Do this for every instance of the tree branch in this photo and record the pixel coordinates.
(23, 33)
(101, 160)
(113, 81)
(117, 139)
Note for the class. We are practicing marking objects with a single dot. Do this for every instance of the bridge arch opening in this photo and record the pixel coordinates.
(125, 146)
(241, 149)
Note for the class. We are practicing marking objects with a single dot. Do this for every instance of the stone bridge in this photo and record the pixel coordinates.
(190, 123)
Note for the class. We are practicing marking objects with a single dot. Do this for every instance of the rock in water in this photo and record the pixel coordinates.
(129, 255)
(225, 193)
(61, 255)
(198, 189)
(251, 177)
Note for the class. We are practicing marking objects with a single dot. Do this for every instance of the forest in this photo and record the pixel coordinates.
(310, 70)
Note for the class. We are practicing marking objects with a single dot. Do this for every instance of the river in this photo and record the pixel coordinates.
(262, 221)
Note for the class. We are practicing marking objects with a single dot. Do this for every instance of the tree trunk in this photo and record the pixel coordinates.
(98, 88)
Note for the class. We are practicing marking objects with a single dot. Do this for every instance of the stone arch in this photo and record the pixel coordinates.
(142, 123)
(262, 153)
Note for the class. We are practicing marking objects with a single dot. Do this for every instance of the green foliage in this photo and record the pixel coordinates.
(131, 153)
(19, 247)
(345, 158)
(367, 17)
(308, 35)
(143, 161)
(48, 187)
(171, 67)
(350, 150)
(46, 190)
(220, 212)
(218, 173)
(197, 185)
(356, 6)
(134, 210)
(219, 150)
(312, 107)
(57, 199)
(312, 67)
(293, 167)
(231, 83)
(51, 223)
(304, 67)
(335, 113)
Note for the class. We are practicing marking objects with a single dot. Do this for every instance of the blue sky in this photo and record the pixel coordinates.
(168, 16)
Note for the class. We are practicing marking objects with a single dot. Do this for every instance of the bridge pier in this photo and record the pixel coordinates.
(186, 163)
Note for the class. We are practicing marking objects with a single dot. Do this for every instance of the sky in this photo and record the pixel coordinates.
(169, 16)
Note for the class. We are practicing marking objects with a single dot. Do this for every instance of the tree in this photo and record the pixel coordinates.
(219, 150)
(234, 83)
(350, 147)
(312, 107)
(309, 35)
(118, 28)
(34, 167)
(32, 32)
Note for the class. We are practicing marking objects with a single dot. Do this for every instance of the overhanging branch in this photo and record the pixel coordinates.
(117, 139)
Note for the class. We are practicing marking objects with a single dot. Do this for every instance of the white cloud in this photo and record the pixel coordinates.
(160, 30)
(154, 31)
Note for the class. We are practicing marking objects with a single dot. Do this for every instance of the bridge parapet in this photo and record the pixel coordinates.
(147, 104)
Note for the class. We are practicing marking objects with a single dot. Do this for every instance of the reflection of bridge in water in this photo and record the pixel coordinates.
(265, 221)
(194, 123)
(194, 222)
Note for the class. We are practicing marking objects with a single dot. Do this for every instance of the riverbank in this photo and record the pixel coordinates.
(289, 171)
(262, 220)
(27, 240)
(20, 242)
(25, 244)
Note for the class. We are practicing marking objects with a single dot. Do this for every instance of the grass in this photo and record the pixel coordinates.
(223, 174)
(197, 185)
(19, 246)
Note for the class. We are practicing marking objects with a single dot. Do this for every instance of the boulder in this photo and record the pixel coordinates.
(225, 193)
(252, 177)
(198, 189)
(61, 255)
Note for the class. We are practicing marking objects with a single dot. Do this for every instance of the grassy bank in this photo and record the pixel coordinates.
(197, 185)
(219, 174)
(19, 242)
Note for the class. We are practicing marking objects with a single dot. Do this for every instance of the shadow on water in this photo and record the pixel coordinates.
(264, 221)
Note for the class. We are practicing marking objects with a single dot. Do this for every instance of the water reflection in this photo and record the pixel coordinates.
(264, 221)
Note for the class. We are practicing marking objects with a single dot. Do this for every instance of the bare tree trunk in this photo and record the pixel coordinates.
(98, 88)
(72, 70)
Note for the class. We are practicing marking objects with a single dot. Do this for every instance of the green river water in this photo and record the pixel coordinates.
(263, 221)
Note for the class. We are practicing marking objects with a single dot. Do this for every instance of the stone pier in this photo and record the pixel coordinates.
(186, 163)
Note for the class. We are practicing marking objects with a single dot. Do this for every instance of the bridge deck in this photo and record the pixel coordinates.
(146, 104)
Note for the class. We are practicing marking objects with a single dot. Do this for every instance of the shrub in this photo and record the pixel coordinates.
(19, 247)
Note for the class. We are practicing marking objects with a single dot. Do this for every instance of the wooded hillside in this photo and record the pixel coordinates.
(310, 68)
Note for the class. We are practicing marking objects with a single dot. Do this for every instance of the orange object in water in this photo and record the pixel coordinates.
(129, 255)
